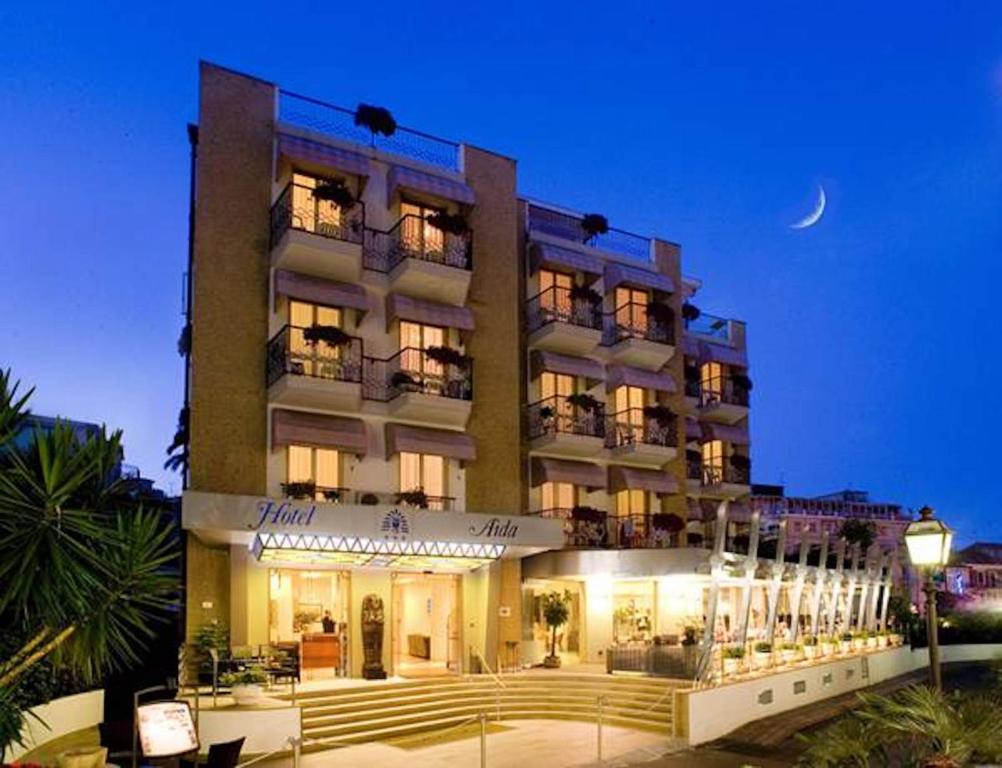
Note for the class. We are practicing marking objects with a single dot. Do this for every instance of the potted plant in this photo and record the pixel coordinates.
(593, 225)
(690, 312)
(660, 312)
(331, 335)
(555, 612)
(789, 651)
(376, 119)
(668, 522)
(413, 498)
(846, 642)
(690, 633)
(404, 381)
(740, 461)
(732, 656)
(588, 514)
(451, 223)
(584, 402)
(335, 191)
(211, 637)
(811, 647)
(882, 638)
(546, 412)
(447, 356)
(332, 495)
(303, 620)
(301, 489)
(369, 499)
(763, 653)
(585, 293)
(741, 382)
(660, 413)
(245, 684)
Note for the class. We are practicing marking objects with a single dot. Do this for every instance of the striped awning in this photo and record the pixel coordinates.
(317, 290)
(579, 473)
(546, 255)
(401, 438)
(401, 177)
(624, 375)
(692, 430)
(552, 362)
(735, 435)
(318, 430)
(400, 307)
(307, 151)
(633, 479)
(623, 274)
(722, 353)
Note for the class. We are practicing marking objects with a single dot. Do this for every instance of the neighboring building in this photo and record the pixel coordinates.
(436, 393)
(975, 576)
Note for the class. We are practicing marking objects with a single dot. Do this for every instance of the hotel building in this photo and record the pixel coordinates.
(411, 389)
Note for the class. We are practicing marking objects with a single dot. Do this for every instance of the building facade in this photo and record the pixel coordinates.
(974, 576)
(420, 401)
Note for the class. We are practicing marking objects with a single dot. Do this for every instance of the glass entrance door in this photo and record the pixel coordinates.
(426, 624)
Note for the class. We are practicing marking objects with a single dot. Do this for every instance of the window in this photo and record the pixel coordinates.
(416, 233)
(558, 496)
(424, 472)
(713, 461)
(712, 382)
(630, 404)
(320, 466)
(314, 359)
(631, 309)
(310, 214)
(555, 387)
(631, 503)
(414, 339)
(555, 291)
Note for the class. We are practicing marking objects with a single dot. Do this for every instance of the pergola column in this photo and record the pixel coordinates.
(703, 667)
(864, 592)
(751, 565)
(836, 585)
(820, 575)
(888, 584)
(851, 592)
(878, 580)
(776, 582)
(798, 590)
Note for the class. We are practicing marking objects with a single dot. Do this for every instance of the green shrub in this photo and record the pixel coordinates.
(733, 651)
(763, 647)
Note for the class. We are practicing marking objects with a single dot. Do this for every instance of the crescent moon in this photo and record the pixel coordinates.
(814, 216)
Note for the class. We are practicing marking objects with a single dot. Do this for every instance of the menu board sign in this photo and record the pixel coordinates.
(166, 729)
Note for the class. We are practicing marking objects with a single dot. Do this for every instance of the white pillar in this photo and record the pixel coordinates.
(819, 585)
(797, 595)
(836, 585)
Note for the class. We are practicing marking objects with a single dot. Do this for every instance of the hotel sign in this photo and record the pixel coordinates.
(228, 513)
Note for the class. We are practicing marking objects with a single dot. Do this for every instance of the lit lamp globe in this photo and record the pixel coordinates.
(928, 540)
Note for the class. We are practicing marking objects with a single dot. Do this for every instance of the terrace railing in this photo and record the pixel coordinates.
(723, 389)
(632, 427)
(555, 305)
(567, 226)
(297, 208)
(558, 415)
(714, 474)
(339, 123)
(412, 370)
(288, 352)
(710, 325)
(413, 237)
(631, 321)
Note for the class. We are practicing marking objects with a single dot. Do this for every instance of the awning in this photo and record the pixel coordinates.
(624, 375)
(578, 473)
(692, 430)
(316, 290)
(734, 435)
(722, 353)
(401, 438)
(307, 151)
(419, 181)
(631, 478)
(400, 307)
(315, 429)
(619, 274)
(572, 366)
(545, 255)
(690, 346)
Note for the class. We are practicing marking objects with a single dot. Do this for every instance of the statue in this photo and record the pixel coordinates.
(372, 637)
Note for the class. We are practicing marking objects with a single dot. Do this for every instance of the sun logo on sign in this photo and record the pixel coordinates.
(395, 525)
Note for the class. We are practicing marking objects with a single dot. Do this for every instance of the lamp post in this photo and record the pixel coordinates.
(929, 544)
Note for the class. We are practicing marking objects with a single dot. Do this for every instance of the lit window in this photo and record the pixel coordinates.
(424, 472)
(319, 466)
(558, 495)
(416, 233)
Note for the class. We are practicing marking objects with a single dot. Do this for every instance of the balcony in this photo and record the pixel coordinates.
(419, 387)
(717, 329)
(634, 338)
(567, 425)
(308, 490)
(558, 321)
(422, 260)
(566, 226)
(316, 237)
(725, 481)
(585, 527)
(693, 393)
(724, 399)
(693, 471)
(314, 374)
(633, 436)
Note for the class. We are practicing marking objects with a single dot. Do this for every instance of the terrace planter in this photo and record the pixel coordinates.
(788, 655)
(247, 694)
(762, 660)
(731, 666)
(845, 646)
(871, 642)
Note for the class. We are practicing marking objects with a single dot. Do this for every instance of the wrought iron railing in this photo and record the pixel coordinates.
(307, 489)
(710, 325)
(555, 305)
(631, 426)
(298, 208)
(723, 389)
(412, 370)
(559, 414)
(714, 474)
(640, 532)
(568, 227)
(692, 388)
(288, 352)
(413, 237)
(408, 499)
(631, 321)
(658, 659)
(339, 122)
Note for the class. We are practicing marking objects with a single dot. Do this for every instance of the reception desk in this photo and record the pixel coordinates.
(321, 650)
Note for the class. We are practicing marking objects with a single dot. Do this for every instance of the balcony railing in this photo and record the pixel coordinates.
(555, 305)
(631, 426)
(714, 474)
(307, 489)
(559, 415)
(611, 531)
(413, 237)
(412, 370)
(694, 469)
(567, 226)
(288, 352)
(723, 389)
(693, 388)
(710, 325)
(632, 321)
(297, 208)
(339, 123)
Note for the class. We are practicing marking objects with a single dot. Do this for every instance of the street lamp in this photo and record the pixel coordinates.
(929, 544)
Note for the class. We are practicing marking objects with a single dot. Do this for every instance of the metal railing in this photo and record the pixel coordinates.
(288, 352)
(413, 237)
(567, 226)
(657, 659)
(631, 427)
(412, 370)
(307, 489)
(612, 531)
(714, 474)
(694, 469)
(692, 388)
(558, 415)
(555, 305)
(631, 321)
(723, 389)
(710, 325)
(339, 122)
(298, 208)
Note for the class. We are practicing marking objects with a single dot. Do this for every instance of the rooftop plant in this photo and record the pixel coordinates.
(593, 225)
(376, 119)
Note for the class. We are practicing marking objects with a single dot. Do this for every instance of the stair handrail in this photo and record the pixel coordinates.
(668, 692)
(490, 672)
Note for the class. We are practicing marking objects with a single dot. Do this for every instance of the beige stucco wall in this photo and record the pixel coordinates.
(207, 595)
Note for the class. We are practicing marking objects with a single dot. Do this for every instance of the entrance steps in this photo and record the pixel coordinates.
(377, 712)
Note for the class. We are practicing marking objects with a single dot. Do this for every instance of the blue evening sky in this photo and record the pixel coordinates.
(873, 336)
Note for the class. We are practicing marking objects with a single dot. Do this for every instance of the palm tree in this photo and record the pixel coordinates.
(86, 574)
